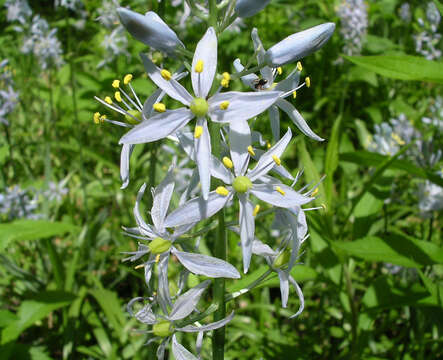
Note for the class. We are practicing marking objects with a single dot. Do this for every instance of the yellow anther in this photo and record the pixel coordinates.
(102, 118)
(397, 139)
(108, 100)
(224, 105)
(299, 66)
(228, 162)
(256, 210)
(157, 258)
(118, 96)
(139, 266)
(199, 66)
(315, 192)
(294, 94)
(268, 144)
(127, 79)
(280, 190)
(308, 81)
(251, 150)
(276, 159)
(323, 206)
(116, 84)
(221, 190)
(224, 83)
(97, 117)
(198, 131)
(166, 74)
(279, 70)
(159, 107)
(226, 76)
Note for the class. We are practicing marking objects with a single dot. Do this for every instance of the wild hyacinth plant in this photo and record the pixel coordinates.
(212, 128)
(354, 23)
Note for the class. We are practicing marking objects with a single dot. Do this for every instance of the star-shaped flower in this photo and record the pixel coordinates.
(288, 87)
(242, 182)
(164, 327)
(161, 242)
(226, 107)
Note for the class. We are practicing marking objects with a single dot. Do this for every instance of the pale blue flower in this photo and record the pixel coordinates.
(354, 23)
(248, 8)
(223, 108)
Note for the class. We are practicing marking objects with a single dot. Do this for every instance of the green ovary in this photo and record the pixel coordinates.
(241, 184)
(159, 246)
(163, 329)
(282, 259)
(199, 107)
(135, 113)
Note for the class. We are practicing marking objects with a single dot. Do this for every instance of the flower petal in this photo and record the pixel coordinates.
(197, 209)
(171, 87)
(144, 228)
(186, 140)
(297, 119)
(274, 116)
(161, 198)
(290, 83)
(212, 326)
(202, 147)
(269, 194)
(247, 229)
(180, 352)
(186, 303)
(148, 109)
(266, 72)
(284, 287)
(300, 296)
(260, 249)
(161, 349)
(206, 52)
(240, 140)
(146, 315)
(242, 105)
(206, 265)
(247, 8)
(158, 127)
(248, 80)
(164, 297)
(266, 161)
(124, 164)
(279, 169)
(219, 171)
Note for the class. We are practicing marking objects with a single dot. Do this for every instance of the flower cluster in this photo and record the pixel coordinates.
(390, 137)
(428, 40)
(115, 42)
(245, 173)
(8, 96)
(354, 23)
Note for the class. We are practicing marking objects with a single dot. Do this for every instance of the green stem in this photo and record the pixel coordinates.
(354, 311)
(218, 339)
(213, 13)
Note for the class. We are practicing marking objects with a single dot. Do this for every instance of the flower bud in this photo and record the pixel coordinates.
(299, 45)
(247, 8)
(150, 29)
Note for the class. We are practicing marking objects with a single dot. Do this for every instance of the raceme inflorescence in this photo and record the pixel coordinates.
(235, 168)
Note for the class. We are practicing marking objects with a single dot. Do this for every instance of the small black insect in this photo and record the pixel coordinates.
(260, 83)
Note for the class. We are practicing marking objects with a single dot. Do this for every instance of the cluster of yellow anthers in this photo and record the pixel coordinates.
(398, 139)
(226, 78)
(116, 85)
(99, 118)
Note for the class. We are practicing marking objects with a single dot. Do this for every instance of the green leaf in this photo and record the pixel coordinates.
(387, 293)
(374, 159)
(25, 230)
(33, 310)
(311, 171)
(395, 249)
(403, 67)
(331, 161)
